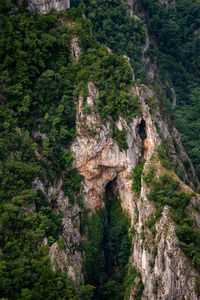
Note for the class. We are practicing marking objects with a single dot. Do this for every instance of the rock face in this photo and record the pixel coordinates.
(98, 158)
(166, 274)
(44, 6)
(74, 48)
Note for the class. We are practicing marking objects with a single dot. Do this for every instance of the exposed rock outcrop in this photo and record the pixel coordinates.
(97, 156)
(44, 6)
(167, 274)
(74, 48)
(99, 160)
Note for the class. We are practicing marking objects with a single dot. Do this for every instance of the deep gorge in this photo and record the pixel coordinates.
(98, 197)
(113, 248)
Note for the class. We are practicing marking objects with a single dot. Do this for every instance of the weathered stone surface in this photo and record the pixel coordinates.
(74, 47)
(97, 157)
(169, 274)
(44, 6)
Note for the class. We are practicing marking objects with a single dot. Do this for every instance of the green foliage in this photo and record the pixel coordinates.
(71, 183)
(4, 6)
(93, 264)
(175, 28)
(165, 191)
(139, 290)
(130, 283)
(142, 236)
(188, 123)
(190, 241)
(136, 176)
(113, 27)
(120, 137)
(37, 86)
(164, 156)
(39, 81)
(148, 177)
(152, 218)
(155, 252)
(87, 109)
(118, 240)
(136, 211)
(105, 70)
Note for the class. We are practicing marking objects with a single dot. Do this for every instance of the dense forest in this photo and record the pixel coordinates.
(39, 82)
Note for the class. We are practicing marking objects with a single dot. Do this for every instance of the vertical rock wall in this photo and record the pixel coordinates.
(99, 160)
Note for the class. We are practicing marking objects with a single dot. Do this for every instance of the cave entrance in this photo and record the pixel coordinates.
(142, 130)
(110, 190)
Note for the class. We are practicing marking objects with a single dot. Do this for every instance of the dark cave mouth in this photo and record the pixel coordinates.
(111, 189)
(142, 130)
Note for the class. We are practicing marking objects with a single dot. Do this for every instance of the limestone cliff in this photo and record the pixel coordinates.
(99, 160)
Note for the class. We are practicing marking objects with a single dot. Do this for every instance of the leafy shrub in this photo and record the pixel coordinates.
(176, 30)
(120, 137)
(163, 155)
(148, 177)
(37, 84)
(136, 176)
(129, 283)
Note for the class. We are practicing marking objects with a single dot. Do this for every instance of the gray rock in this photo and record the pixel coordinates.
(44, 6)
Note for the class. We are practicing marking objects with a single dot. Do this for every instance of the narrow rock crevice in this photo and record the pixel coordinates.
(142, 130)
(110, 190)
(143, 136)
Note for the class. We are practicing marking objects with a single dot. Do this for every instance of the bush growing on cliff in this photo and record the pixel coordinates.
(105, 70)
(136, 176)
(120, 137)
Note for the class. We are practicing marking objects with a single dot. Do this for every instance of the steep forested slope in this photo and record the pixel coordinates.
(37, 85)
(120, 225)
(175, 48)
(173, 29)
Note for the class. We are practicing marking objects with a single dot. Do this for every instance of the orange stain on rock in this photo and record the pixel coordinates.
(147, 145)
